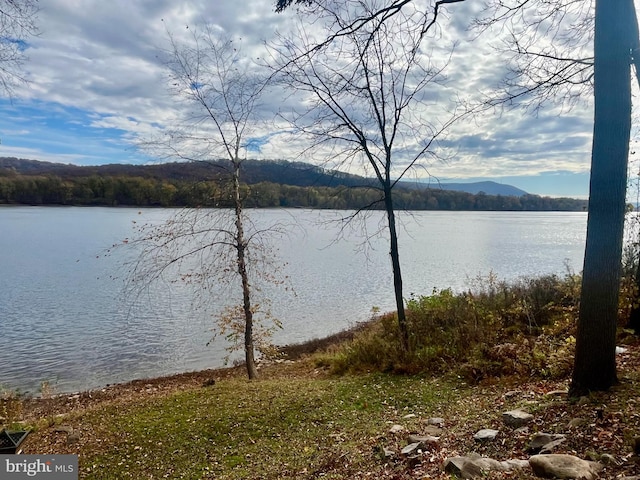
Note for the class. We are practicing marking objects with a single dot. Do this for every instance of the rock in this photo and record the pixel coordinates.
(485, 434)
(475, 466)
(462, 467)
(550, 447)
(545, 441)
(516, 418)
(410, 415)
(437, 421)
(620, 350)
(511, 394)
(557, 393)
(516, 464)
(63, 429)
(388, 453)
(73, 437)
(564, 466)
(424, 440)
(577, 422)
(396, 429)
(608, 459)
(411, 448)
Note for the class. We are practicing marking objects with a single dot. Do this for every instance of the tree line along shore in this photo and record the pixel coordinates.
(93, 187)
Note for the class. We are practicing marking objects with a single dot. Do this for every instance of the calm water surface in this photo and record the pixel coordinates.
(65, 319)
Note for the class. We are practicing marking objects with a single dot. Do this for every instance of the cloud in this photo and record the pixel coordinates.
(98, 84)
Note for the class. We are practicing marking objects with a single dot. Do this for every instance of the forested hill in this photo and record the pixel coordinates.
(253, 171)
(267, 184)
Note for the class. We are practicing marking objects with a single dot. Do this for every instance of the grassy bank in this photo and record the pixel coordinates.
(301, 423)
(329, 413)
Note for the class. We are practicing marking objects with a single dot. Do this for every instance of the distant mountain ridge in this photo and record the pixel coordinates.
(488, 187)
(254, 171)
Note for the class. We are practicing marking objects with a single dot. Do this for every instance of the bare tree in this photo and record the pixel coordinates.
(17, 25)
(373, 97)
(548, 50)
(220, 92)
(563, 52)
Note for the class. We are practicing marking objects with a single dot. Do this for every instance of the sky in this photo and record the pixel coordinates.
(98, 88)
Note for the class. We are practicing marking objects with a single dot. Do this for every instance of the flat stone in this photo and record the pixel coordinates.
(541, 439)
(411, 448)
(462, 467)
(63, 429)
(409, 415)
(551, 446)
(516, 418)
(564, 466)
(388, 453)
(424, 440)
(437, 421)
(485, 434)
(476, 466)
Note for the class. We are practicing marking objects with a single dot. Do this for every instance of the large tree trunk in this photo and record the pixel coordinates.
(395, 264)
(595, 365)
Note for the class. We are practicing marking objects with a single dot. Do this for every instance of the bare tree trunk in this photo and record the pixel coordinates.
(252, 371)
(395, 264)
(595, 365)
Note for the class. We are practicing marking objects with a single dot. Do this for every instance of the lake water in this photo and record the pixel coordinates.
(65, 317)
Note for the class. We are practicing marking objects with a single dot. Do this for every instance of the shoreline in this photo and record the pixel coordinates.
(195, 378)
(64, 403)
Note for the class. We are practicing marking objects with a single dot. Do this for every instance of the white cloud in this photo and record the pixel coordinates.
(104, 60)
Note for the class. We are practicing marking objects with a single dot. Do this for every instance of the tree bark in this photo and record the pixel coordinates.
(250, 362)
(395, 264)
(595, 365)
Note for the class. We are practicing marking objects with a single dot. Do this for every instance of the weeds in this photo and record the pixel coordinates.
(11, 405)
(496, 328)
